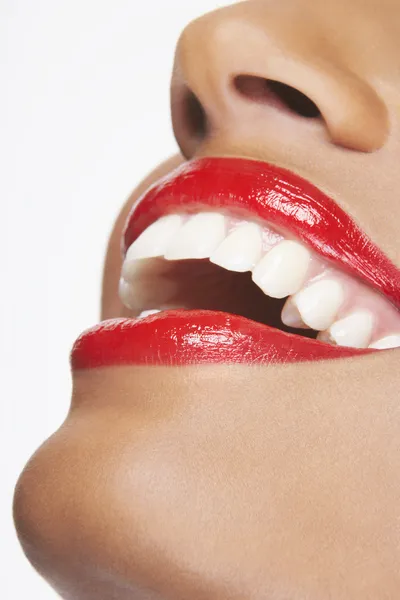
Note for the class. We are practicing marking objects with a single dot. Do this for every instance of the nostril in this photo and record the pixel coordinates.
(261, 90)
(294, 100)
(194, 116)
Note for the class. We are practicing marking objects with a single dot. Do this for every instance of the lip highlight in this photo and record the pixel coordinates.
(247, 189)
(184, 337)
(277, 196)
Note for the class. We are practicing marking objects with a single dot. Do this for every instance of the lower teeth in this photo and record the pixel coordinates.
(147, 313)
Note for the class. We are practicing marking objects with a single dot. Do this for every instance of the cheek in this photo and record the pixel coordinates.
(111, 306)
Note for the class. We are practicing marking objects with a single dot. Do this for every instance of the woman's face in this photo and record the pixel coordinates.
(206, 456)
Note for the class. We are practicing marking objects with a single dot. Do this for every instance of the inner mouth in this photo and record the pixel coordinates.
(214, 261)
(199, 284)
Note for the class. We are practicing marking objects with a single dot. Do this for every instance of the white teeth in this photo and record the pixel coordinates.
(158, 292)
(198, 238)
(241, 250)
(319, 303)
(150, 282)
(144, 270)
(390, 341)
(290, 315)
(126, 294)
(324, 336)
(354, 331)
(155, 239)
(283, 269)
(148, 313)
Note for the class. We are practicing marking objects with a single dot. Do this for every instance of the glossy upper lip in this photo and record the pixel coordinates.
(254, 189)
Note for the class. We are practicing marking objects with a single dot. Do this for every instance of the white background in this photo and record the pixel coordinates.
(84, 116)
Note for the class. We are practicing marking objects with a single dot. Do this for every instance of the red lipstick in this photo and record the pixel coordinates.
(196, 337)
(254, 189)
(247, 189)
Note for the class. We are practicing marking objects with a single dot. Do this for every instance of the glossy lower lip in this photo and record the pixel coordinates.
(250, 189)
(183, 337)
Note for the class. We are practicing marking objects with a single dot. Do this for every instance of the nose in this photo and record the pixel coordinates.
(236, 71)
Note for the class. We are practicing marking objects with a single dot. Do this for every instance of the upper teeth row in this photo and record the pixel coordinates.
(320, 297)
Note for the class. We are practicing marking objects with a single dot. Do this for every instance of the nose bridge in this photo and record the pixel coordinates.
(222, 46)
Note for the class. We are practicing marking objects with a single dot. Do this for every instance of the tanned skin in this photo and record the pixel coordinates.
(221, 482)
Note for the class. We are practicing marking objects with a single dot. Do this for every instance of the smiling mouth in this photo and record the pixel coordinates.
(234, 260)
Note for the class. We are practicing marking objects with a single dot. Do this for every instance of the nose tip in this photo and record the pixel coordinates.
(227, 64)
